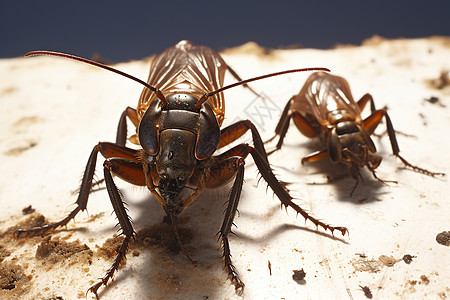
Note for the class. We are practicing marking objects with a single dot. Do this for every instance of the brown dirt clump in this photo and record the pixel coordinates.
(13, 281)
(54, 250)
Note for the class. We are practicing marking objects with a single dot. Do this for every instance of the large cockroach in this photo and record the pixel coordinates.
(325, 108)
(178, 121)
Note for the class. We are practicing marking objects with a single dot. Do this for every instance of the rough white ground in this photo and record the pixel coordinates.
(54, 111)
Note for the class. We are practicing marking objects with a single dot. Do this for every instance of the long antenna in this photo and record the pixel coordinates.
(94, 63)
(158, 93)
(205, 96)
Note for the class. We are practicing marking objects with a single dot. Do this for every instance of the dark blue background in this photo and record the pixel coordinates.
(125, 30)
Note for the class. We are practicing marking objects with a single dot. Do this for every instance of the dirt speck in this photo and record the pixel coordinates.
(28, 210)
(366, 291)
(13, 281)
(441, 82)
(412, 282)
(424, 279)
(299, 276)
(15, 151)
(27, 121)
(387, 260)
(408, 258)
(436, 101)
(443, 238)
(9, 90)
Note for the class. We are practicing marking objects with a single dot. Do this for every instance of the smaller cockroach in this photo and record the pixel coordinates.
(325, 108)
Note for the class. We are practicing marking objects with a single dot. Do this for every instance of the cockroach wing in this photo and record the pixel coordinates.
(187, 68)
(322, 93)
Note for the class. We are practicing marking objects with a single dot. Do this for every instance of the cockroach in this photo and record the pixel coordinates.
(178, 120)
(325, 108)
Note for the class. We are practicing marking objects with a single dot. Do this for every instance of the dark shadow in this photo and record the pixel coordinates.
(266, 237)
(166, 272)
(337, 175)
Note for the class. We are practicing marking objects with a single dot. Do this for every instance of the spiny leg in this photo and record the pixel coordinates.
(282, 193)
(315, 156)
(282, 126)
(81, 202)
(122, 130)
(371, 122)
(232, 162)
(230, 213)
(231, 133)
(107, 150)
(368, 98)
(363, 101)
(278, 187)
(302, 124)
(226, 165)
(124, 222)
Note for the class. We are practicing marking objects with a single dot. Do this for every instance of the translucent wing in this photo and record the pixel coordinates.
(323, 93)
(187, 68)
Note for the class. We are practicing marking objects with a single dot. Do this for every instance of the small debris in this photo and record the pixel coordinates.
(424, 279)
(365, 265)
(28, 210)
(412, 282)
(387, 260)
(407, 258)
(443, 238)
(25, 145)
(366, 291)
(269, 265)
(299, 276)
(435, 100)
(441, 82)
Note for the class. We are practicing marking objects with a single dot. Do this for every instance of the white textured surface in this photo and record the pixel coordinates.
(65, 108)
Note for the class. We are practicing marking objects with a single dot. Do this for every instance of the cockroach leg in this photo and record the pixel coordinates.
(305, 126)
(236, 130)
(124, 222)
(107, 150)
(122, 131)
(372, 122)
(225, 230)
(280, 190)
(120, 259)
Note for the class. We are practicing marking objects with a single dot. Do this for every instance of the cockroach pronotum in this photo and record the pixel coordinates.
(178, 119)
(325, 108)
